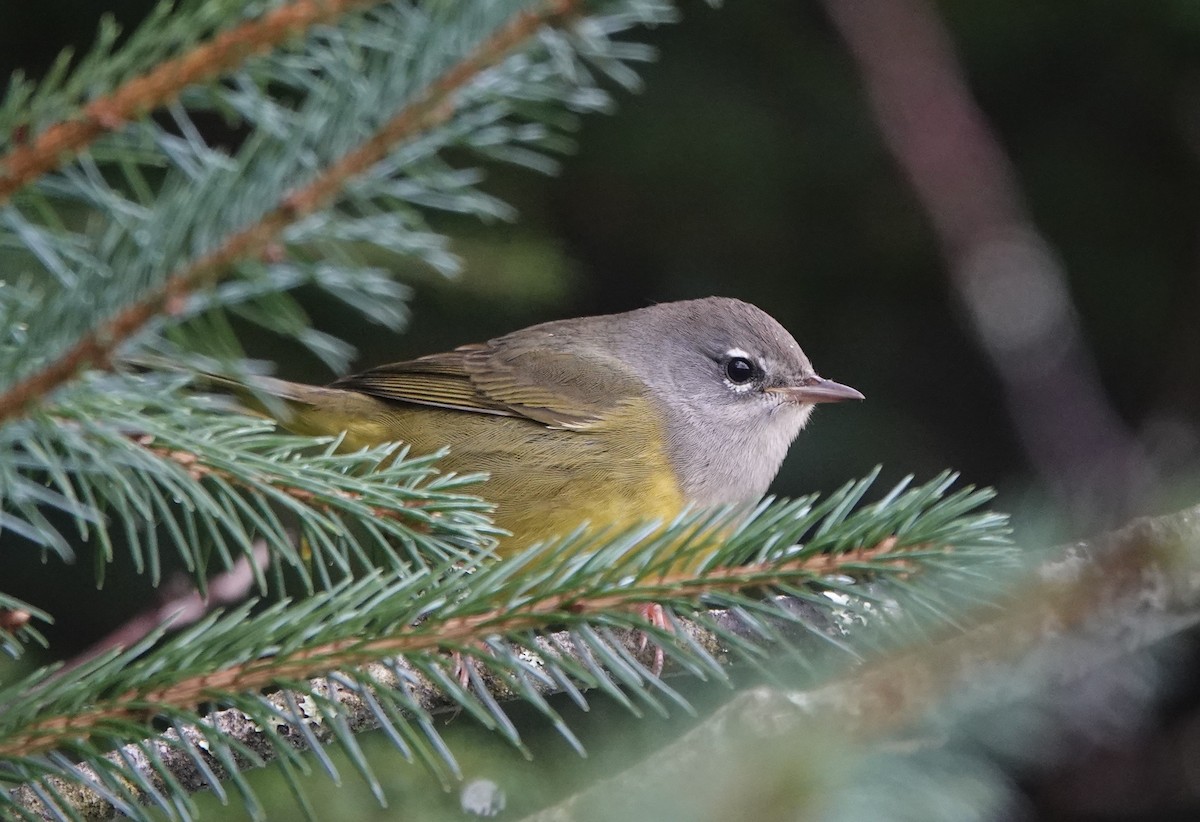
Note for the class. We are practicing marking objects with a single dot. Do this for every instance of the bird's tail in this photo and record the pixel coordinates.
(304, 409)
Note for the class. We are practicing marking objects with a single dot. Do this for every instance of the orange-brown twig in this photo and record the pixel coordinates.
(27, 161)
(199, 469)
(353, 652)
(432, 108)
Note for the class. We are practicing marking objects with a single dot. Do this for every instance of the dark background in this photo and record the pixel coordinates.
(751, 166)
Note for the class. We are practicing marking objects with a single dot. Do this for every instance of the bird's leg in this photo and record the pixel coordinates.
(461, 672)
(653, 613)
(463, 665)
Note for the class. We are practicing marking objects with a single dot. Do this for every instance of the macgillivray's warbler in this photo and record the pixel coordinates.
(613, 419)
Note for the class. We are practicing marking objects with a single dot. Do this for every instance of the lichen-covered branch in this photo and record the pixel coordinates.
(438, 636)
(178, 749)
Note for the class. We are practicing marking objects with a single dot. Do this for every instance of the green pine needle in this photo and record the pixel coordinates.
(494, 614)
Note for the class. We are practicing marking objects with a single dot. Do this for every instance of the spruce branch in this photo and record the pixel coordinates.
(126, 452)
(95, 348)
(356, 113)
(115, 57)
(437, 633)
(1087, 605)
(201, 468)
(496, 615)
(182, 753)
(58, 143)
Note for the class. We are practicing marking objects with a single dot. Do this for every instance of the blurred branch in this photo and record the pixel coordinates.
(181, 606)
(1004, 272)
(1093, 603)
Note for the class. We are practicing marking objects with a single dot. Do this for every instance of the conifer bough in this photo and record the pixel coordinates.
(435, 106)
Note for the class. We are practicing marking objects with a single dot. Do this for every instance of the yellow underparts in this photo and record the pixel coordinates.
(544, 481)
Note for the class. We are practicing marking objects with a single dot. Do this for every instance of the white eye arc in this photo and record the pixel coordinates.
(741, 372)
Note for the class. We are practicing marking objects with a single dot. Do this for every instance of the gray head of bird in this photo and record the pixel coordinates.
(733, 387)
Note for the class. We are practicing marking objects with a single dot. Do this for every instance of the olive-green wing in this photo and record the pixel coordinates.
(559, 387)
(440, 380)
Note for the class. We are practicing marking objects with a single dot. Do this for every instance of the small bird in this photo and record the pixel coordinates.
(612, 419)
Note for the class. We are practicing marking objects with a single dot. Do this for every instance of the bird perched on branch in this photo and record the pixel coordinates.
(612, 419)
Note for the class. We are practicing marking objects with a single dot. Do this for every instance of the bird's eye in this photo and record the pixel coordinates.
(739, 370)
